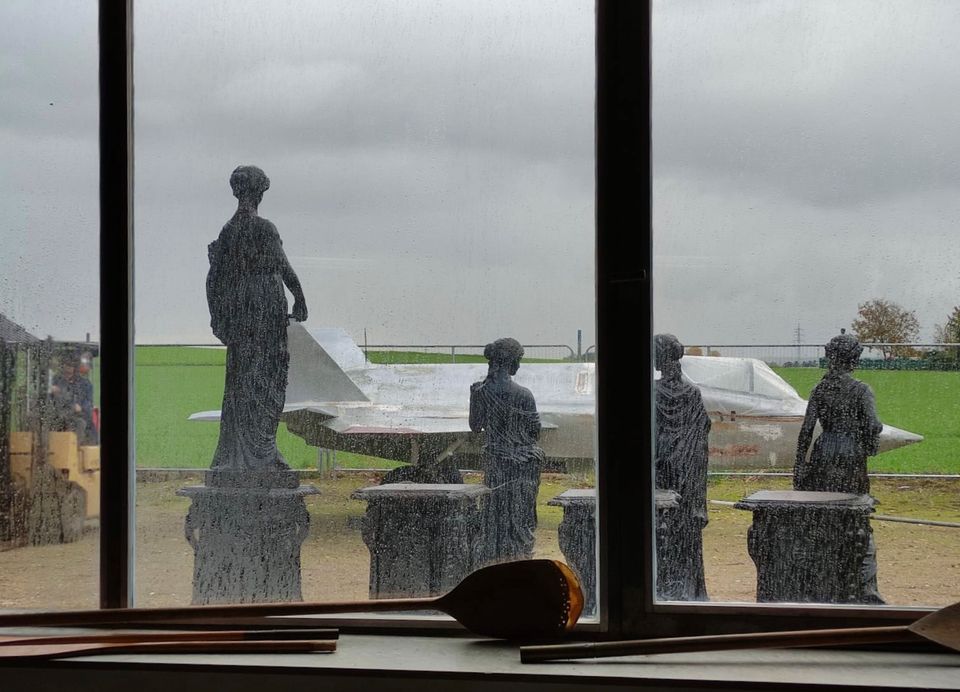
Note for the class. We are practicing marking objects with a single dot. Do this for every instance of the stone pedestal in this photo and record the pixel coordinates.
(577, 535)
(246, 542)
(809, 547)
(424, 538)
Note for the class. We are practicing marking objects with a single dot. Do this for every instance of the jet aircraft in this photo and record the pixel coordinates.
(337, 400)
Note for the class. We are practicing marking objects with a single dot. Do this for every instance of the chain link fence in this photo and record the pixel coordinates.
(878, 356)
(886, 356)
(462, 353)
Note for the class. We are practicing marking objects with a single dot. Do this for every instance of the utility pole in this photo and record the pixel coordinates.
(798, 339)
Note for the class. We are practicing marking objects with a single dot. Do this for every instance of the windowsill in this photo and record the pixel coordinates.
(373, 663)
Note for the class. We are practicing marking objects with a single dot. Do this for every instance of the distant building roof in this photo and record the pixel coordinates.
(12, 332)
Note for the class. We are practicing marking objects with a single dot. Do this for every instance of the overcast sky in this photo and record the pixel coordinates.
(432, 163)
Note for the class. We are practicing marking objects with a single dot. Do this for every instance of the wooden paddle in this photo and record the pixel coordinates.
(41, 651)
(941, 626)
(528, 599)
(131, 637)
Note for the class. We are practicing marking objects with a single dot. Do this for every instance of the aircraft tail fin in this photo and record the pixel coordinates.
(318, 360)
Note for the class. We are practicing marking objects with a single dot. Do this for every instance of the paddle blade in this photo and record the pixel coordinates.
(942, 627)
(529, 599)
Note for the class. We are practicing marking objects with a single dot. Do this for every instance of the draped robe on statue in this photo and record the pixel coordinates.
(507, 414)
(847, 413)
(682, 426)
(248, 313)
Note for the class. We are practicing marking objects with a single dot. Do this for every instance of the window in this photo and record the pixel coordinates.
(49, 463)
(430, 173)
(784, 175)
(624, 308)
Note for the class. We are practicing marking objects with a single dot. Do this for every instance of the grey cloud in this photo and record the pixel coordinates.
(831, 105)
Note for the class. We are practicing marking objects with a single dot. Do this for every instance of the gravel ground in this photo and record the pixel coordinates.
(918, 565)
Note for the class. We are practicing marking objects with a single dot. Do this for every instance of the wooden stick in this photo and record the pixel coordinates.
(192, 647)
(140, 616)
(211, 624)
(718, 642)
(132, 637)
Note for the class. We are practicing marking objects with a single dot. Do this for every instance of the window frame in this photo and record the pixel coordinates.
(623, 296)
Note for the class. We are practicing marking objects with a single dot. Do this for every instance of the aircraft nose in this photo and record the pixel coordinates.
(891, 438)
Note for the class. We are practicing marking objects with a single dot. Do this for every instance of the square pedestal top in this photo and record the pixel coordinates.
(420, 490)
(763, 499)
(588, 496)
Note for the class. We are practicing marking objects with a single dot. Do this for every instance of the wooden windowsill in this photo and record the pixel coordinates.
(372, 663)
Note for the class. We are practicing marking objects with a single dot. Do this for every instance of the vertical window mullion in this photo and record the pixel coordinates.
(624, 311)
(116, 301)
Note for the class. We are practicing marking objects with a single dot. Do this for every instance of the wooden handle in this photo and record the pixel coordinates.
(240, 622)
(132, 637)
(194, 647)
(144, 616)
(718, 642)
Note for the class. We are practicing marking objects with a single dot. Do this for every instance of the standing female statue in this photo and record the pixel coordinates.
(846, 411)
(248, 313)
(682, 425)
(507, 415)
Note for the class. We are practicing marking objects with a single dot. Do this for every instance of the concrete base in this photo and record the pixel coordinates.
(424, 538)
(809, 547)
(577, 535)
(246, 543)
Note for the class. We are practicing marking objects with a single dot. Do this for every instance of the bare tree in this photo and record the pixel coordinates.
(883, 321)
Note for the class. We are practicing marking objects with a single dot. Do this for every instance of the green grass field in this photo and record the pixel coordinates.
(921, 401)
(173, 382)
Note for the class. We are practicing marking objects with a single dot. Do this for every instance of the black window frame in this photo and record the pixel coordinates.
(624, 335)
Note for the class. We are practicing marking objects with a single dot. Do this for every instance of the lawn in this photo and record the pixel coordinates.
(175, 381)
(924, 402)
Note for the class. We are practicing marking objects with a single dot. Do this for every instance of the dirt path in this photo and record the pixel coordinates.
(918, 565)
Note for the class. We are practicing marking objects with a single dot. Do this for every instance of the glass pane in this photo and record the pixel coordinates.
(429, 169)
(804, 199)
(49, 307)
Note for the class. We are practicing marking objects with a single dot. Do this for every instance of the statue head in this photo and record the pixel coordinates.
(504, 354)
(249, 183)
(668, 351)
(843, 352)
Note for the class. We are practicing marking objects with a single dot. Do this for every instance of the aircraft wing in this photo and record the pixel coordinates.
(395, 420)
(338, 400)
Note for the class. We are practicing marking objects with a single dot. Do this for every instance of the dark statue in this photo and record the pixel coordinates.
(846, 411)
(507, 415)
(681, 432)
(248, 313)
(246, 524)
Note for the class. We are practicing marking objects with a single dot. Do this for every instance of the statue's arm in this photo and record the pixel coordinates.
(806, 430)
(214, 292)
(533, 416)
(702, 412)
(290, 280)
(476, 407)
(870, 432)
